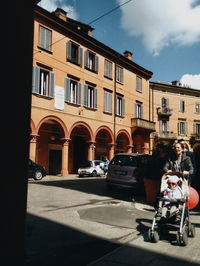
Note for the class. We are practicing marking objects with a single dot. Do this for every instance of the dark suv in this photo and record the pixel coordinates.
(127, 170)
(35, 170)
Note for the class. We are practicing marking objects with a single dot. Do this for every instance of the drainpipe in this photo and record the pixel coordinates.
(114, 124)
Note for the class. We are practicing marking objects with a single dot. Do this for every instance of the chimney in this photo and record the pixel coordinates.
(176, 83)
(60, 13)
(128, 55)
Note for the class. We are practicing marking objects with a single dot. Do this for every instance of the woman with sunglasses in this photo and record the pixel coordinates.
(179, 162)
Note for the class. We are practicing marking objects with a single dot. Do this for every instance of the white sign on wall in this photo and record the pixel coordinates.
(59, 97)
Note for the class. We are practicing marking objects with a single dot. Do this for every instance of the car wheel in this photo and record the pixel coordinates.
(38, 175)
(94, 173)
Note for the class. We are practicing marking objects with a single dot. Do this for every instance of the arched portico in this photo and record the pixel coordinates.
(82, 145)
(104, 143)
(48, 145)
(123, 142)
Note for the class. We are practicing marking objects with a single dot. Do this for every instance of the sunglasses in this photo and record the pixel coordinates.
(172, 183)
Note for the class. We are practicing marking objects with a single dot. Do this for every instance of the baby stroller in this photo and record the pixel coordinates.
(179, 220)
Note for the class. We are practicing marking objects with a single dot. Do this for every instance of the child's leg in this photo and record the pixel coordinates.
(173, 209)
(164, 211)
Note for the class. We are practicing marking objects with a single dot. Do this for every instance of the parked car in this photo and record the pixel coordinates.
(127, 170)
(91, 168)
(35, 170)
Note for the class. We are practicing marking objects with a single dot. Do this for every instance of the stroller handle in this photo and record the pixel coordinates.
(182, 200)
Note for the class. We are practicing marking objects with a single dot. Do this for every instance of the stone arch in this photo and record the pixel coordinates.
(104, 141)
(81, 146)
(51, 131)
(123, 141)
(56, 120)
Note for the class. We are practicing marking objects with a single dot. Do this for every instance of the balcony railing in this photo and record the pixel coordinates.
(166, 135)
(166, 111)
(195, 136)
(143, 124)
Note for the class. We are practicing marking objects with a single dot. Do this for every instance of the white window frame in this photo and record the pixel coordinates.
(182, 128)
(197, 108)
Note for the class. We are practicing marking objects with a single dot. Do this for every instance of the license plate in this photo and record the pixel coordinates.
(117, 172)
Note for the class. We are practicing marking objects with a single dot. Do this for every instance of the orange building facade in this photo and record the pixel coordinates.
(175, 109)
(88, 101)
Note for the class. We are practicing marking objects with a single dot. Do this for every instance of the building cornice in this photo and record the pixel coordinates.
(174, 88)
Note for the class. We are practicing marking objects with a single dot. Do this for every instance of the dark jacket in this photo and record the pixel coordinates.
(185, 165)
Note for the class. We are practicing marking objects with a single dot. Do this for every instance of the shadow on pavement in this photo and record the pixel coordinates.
(49, 243)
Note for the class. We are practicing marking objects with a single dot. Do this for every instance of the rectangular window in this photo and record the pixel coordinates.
(72, 91)
(164, 127)
(181, 128)
(138, 84)
(119, 74)
(197, 130)
(139, 110)
(107, 101)
(108, 69)
(90, 97)
(182, 106)
(74, 53)
(45, 38)
(197, 107)
(120, 105)
(91, 61)
(43, 82)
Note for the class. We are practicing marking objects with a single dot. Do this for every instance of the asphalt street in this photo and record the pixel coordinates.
(78, 221)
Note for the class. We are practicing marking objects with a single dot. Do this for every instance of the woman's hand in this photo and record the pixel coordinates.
(185, 173)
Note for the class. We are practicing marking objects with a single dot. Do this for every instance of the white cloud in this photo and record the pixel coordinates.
(51, 5)
(190, 80)
(162, 22)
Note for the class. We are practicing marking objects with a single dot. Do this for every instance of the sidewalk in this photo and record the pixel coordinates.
(142, 252)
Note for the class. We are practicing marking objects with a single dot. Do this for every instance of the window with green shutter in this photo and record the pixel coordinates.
(45, 38)
(108, 66)
(43, 82)
(72, 91)
(138, 84)
(91, 61)
(119, 105)
(107, 101)
(119, 74)
(90, 97)
(74, 53)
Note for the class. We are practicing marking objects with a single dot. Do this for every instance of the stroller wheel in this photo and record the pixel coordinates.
(153, 235)
(192, 231)
(182, 239)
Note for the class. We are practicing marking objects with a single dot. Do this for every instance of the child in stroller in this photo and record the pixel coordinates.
(171, 194)
(172, 211)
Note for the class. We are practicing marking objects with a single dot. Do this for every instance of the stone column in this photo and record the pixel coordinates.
(91, 150)
(111, 151)
(32, 147)
(129, 148)
(65, 157)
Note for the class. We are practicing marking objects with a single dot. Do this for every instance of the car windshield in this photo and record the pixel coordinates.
(126, 160)
(97, 163)
(86, 164)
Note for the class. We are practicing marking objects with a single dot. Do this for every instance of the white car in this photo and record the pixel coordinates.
(91, 168)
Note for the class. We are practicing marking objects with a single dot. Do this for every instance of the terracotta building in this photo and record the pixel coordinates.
(175, 109)
(88, 101)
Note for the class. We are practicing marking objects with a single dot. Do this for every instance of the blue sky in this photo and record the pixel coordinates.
(163, 35)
